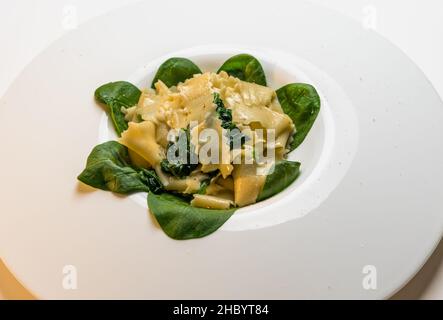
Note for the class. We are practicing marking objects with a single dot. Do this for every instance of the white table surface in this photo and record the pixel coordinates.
(27, 27)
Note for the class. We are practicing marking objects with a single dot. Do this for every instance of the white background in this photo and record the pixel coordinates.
(27, 27)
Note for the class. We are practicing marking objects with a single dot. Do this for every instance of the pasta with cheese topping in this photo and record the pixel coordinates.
(252, 107)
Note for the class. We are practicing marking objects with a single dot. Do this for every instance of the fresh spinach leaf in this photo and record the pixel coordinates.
(109, 168)
(180, 221)
(175, 70)
(117, 95)
(301, 103)
(285, 172)
(246, 68)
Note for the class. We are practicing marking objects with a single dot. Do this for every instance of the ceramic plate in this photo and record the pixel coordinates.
(359, 222)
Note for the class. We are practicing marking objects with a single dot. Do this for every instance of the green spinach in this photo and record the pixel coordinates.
(180, 221)
(246, 68)
(203, 186)
(235, 136)
(151, 180)
(205, 183)
(175, 70)
(301, 103)
(181, 167)
(285, 172)
(118, 95)
(109, 168)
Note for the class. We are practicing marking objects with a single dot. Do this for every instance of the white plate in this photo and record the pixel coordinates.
(371, 193)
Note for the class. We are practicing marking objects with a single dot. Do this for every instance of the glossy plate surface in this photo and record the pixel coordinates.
(380, 131)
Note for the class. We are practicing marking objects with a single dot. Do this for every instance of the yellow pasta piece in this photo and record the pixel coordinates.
(140, 137)
(227, 183)
(210, 202)
(266, 117)
(255, 95)
(196, 94)
(247, 184)
(138, 160)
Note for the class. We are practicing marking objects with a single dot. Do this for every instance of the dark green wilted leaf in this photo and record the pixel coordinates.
(151, 180)
(235, 136)
(182, 167)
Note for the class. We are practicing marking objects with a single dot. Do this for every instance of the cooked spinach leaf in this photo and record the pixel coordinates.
(246, 68)
(285, 172)
(151, 180)
(224, 114)
(180, 221)
(236, 137)
(118, 95)
(109, 168)
(179, 170)
(182, 166)
(175, 70)
(301, 103)
(205, 183)
(203, 186)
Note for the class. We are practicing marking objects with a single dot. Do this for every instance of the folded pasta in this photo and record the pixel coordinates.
(254, 110)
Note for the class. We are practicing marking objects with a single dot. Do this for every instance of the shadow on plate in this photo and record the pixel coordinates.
(10, 287)
(415, 288)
